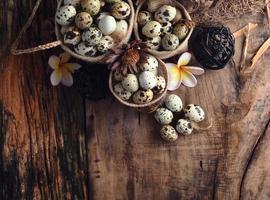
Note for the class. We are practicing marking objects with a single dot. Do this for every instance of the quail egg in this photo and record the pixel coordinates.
(105, 44)
(64, 29)
(72, 36)
(149, 63)
(112, 1)
(101, 15)
(163, 116)
(121, 92)
(117, 76)
(170, 42)
(91, 6)
(184, 127)
(194, 113)
(161, 85)
(130, 83)
(147, 80)
(153, 43)
(168, 133)
(121, 10)
(75, 3)
(85, 49)
(144, 17)
(151, 29)
(121, 26)
(107, 25)
(166, 28)
(83, 20)
(65, 15)
(165, 13)
(142, 97)
(92, 36)
(181, 30)
(178, 16)
(174, 103)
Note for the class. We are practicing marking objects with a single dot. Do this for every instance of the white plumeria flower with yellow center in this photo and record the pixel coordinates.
(62, 69)
(180, 73)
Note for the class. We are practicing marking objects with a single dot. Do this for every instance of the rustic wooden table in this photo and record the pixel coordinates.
(55, 145)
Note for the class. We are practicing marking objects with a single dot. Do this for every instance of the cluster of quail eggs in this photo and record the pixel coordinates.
(164, 29)
(88, 26)
(142, 87)
(165, 115)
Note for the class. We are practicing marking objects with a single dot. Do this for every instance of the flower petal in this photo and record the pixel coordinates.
(184, 59)
(188, 79)
(54, 62)
(71, 67)
(174, 80)
(64, 57)
(56, 77)
(67, 78)
(194, 70)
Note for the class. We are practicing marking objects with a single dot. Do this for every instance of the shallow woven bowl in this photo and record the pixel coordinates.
(183, 47)
(101, 58)
(147, 107)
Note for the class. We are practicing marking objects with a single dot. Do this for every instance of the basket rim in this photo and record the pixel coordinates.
(163, 54)
(101, 58)
(155, 101)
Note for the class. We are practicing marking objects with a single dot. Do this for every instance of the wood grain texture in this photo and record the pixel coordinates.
(55, 145)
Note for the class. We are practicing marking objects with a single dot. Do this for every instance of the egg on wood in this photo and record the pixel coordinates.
(168, 133)
(85, 49)
(92, 36)
(121, 10)
(65, 15)
(143, 96)
(91, 6)
(194, 113)
(144, 17)
(105, 44)
(147, 80)
(184, 127)
(107, 25)
(152, 29)
(130, 83)
(161, 85)
(170, 42)
(72, 36)
(163, 116)
(121, 92)
(174, 103)
(83, 20)
(165, 13)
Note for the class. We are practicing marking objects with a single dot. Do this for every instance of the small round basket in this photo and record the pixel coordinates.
(101, 58)
(183, 47)
(147, 107)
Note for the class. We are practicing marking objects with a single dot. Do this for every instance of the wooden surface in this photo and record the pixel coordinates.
(55, 145)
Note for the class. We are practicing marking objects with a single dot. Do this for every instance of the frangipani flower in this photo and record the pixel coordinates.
(62, 69)
(180, 73)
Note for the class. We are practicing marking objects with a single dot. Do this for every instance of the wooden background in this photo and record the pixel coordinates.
(55, 145)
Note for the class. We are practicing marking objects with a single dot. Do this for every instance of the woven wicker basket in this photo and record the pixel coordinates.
(147, 107)
(183, 47)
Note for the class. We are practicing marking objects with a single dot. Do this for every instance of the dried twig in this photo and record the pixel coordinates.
(243, 30)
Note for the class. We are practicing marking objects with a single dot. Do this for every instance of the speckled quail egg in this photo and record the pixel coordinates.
(194, 113)
(121, 10)
(112, 1)
(163, 116)
(130, 83)
(165, 13)
(117, 76)
(174, 103)
(72, 36)
(161, 85)
(144, 17)
(121, 26)
(184, 127)
(107, 25)
(147, 80)
(83, 20)
(65, 15)
(105, 44)
(153, 43)
(168, 133)
(151, 29)
(85, 49)
(143, 96)
(178, 16)
(166, 28)
(101, 15)
(91, 6)
(92, 36)
(149, 63)
(181, 30)
(121, 92)
(170, 42)
(75, 3)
